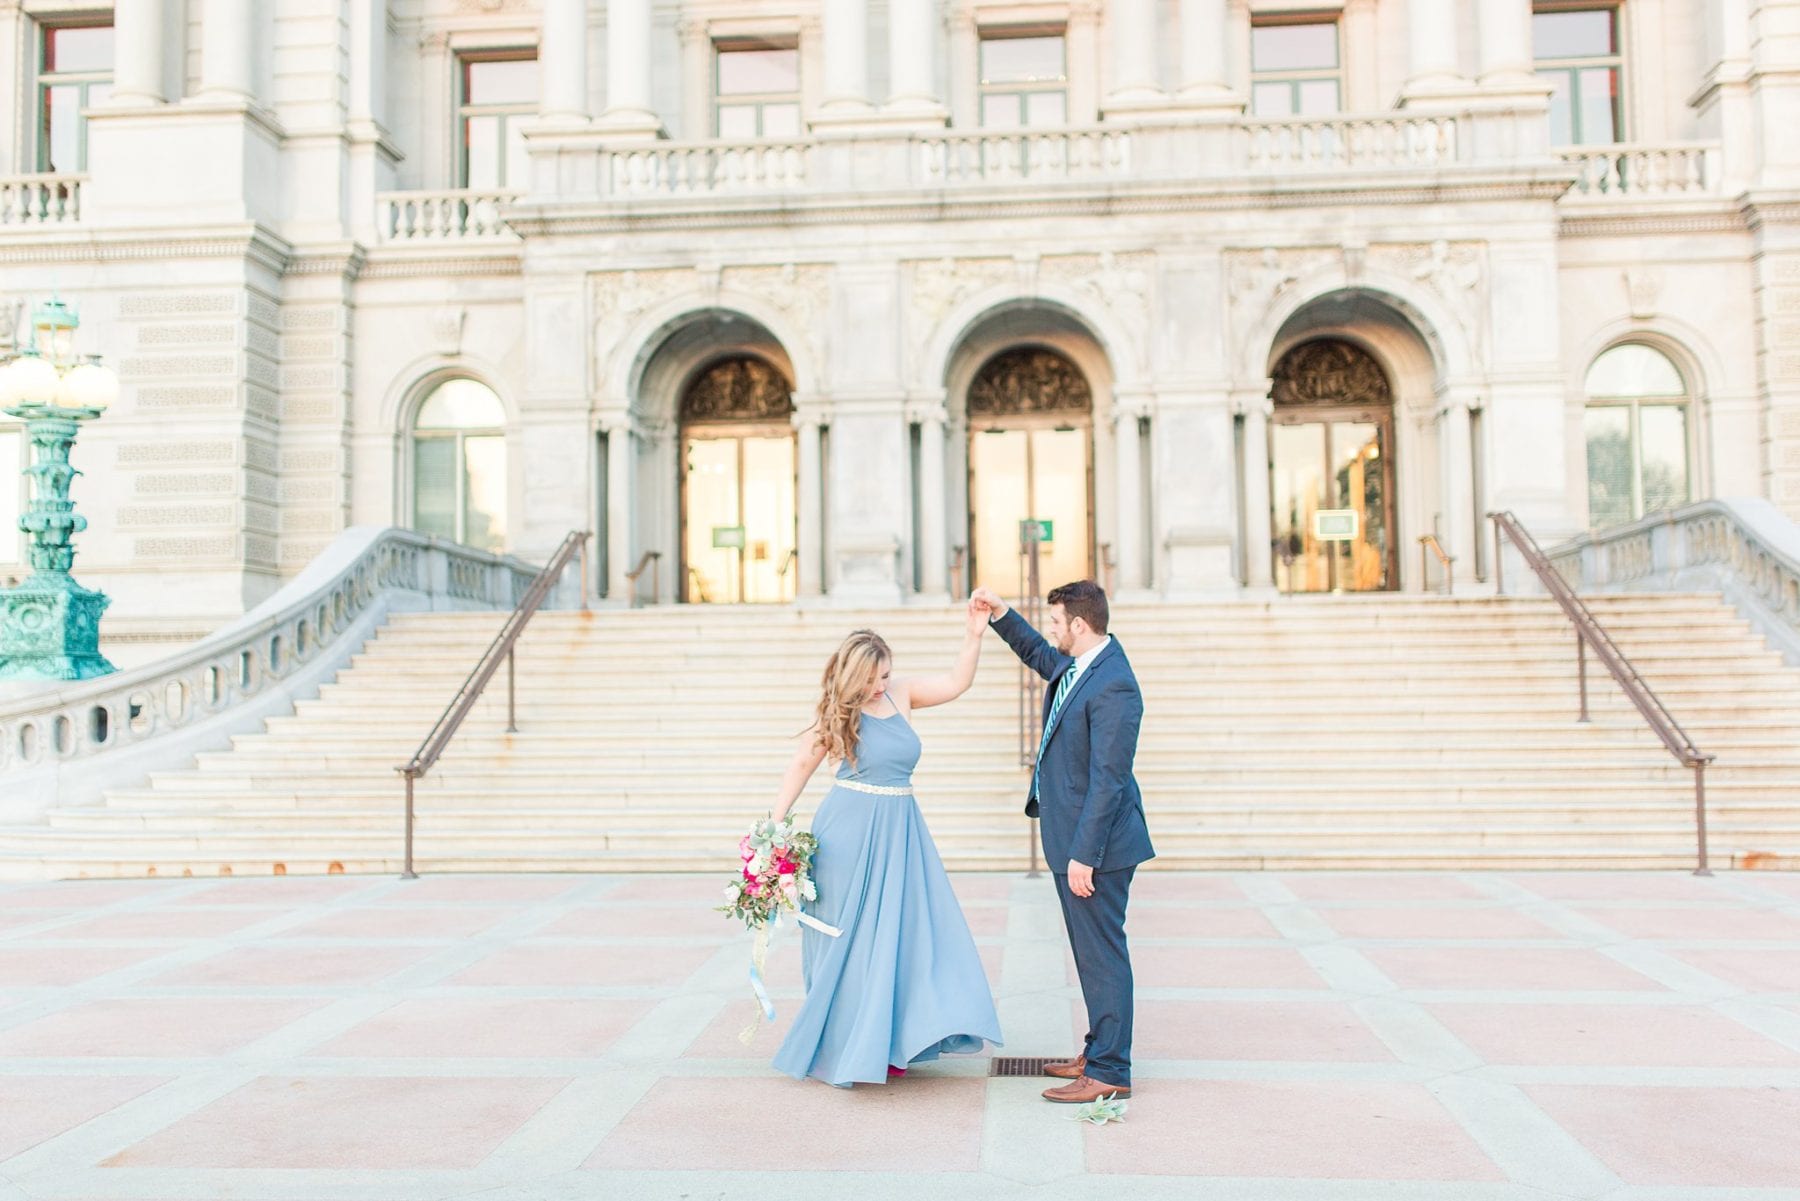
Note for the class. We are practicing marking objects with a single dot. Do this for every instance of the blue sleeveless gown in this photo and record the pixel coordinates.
(904, 983)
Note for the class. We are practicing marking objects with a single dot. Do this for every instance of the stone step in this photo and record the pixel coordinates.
(50, 864)
(968, 754)
(497, 845)
(725, 820)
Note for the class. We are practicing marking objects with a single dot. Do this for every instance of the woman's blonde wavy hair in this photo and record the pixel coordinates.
(850, 679)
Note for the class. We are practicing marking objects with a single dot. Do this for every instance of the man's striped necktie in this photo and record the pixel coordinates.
(1064, 686)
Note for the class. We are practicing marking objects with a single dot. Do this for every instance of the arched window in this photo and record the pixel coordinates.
(459, 465)
(1638, 435)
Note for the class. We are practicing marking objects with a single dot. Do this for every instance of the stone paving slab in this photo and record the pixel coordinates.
(1326, 1037)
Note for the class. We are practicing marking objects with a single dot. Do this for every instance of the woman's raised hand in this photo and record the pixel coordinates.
(977, 618)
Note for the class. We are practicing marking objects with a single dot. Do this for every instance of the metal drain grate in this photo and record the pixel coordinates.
(1003, 1066)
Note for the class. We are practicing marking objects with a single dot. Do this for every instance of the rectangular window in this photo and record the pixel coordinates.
(1577, 53)
(756, 90)
(1024, 80)
(498, 94)
(75, 64)
(1637, 460)
(1295, 69)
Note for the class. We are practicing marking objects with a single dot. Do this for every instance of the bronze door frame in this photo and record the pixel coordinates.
(737, 430)
(1380, 416)
(1027, 424)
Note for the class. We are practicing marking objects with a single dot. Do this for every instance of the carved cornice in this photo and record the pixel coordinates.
(255, 244)
(510, 263)
(1646, 221)
(1116, 199)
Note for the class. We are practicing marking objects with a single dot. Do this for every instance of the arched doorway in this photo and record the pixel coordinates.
(1331, 471)
(1030, 412)
(739, 525)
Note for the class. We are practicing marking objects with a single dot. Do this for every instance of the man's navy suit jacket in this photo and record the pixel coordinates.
(1088, 805)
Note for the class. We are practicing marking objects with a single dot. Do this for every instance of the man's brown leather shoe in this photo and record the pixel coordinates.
(1066, 1069)
(1083, 1089)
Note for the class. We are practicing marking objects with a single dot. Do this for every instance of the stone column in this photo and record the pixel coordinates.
(228, 50)
(619, 490)
(912, 58)
(1082, 46)
(846, 57)
(1431, 41)
(1456, 469)
(934, 556)
(629, 49)
(1504, 32)
(1205, 41)
(563, 58)
(965, 69)
(812, 504)
(1259, 532)
(1128, 539)
(138, 33)
(368, 60)
(1134, 80)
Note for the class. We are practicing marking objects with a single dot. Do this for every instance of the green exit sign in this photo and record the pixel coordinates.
(1033, 530)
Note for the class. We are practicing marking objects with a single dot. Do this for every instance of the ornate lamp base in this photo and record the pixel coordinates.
(50, 630)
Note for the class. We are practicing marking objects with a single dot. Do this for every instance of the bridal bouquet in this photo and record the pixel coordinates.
(774, 875)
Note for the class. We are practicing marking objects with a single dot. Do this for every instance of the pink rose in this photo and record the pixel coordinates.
(755, 888)
(749, 875)
(786, 867)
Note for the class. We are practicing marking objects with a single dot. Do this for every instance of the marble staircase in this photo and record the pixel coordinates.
(1331, 732)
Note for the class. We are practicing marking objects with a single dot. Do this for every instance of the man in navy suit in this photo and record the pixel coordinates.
(1091, 815)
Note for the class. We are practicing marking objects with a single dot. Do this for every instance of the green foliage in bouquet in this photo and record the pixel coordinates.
(775, 873)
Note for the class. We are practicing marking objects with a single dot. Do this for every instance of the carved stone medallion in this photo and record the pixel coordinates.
(1330, 372)
(1029, 379)
(741, 388)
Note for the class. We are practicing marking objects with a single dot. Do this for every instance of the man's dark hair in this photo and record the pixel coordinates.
(1084, 599)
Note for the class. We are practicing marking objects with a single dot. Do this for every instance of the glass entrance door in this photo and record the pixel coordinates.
(1038, 473)
(738, 516)
(1331, 489)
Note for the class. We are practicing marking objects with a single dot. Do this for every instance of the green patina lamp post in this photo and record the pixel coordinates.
(50, 625)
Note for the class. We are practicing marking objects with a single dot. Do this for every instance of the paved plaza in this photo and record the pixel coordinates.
(1316, 1037)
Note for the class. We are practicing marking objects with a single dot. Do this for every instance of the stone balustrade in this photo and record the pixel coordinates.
(1745, 549)
(1348, 143)
(68, 742)
(1641, 172)
(459, 215)
(29, 201)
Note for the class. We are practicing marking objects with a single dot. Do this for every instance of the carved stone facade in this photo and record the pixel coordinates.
(875, 286)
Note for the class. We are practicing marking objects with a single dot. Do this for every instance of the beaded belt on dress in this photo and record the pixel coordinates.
(876, 789)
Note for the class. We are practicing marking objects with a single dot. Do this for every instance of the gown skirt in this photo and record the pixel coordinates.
(904, 983)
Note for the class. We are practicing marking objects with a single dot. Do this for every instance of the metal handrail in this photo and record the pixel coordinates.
(699, 584)
(451, 720)
(958, 565)
(1590, 633)
(652, 558)
(1429, 542)
(1031, 685)
(1109, 567)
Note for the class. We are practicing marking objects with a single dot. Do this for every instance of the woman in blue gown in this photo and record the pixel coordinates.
(903, 983)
